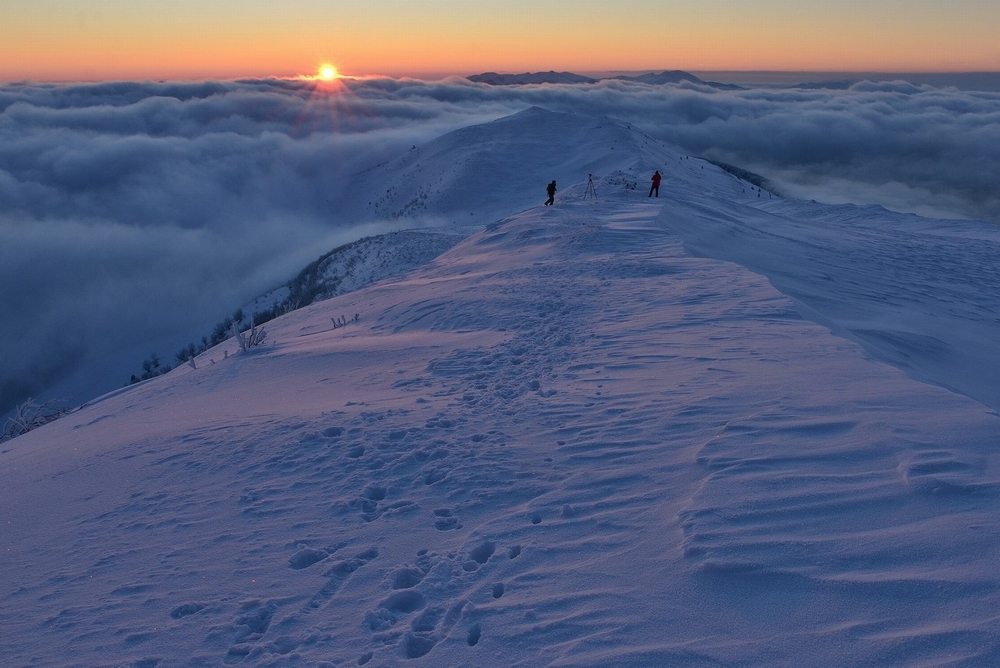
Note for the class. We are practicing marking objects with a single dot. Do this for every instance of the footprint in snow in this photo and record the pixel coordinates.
(407, 577)
(186, 609)
(445, 520)
(479, 555)
(306, 557)
(338, 574)
(249, 626)
(371, 504)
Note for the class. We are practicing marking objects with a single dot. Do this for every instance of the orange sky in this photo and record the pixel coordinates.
(117, 39)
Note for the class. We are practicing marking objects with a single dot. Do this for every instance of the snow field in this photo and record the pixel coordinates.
(566, 441)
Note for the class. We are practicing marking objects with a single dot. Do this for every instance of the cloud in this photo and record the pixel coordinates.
(129, 210)
(907, 146)
(858, 145)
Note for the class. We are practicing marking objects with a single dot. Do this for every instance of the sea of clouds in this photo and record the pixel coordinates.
(133, 213)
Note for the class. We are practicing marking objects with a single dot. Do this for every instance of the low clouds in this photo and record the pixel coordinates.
(132, 212)
(906, 147)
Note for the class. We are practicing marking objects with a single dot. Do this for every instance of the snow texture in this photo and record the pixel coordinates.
(592, 434)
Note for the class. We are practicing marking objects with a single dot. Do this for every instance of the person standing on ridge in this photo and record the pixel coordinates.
(551, 190)
(656, 184)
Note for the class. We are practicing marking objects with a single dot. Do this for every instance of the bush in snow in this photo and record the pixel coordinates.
(251, 338)
(188, 353)
(30, 415)
(151, 368)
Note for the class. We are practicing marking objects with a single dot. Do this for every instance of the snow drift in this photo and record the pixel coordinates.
(565, 441)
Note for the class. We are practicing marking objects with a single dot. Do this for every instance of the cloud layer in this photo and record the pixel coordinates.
(132, 212)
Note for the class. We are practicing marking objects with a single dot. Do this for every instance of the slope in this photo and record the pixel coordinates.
(463, 179)
(476, 175)
(918, 293)
(564, 442)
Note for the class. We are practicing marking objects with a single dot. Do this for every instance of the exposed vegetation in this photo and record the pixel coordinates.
(342, 269)
(30, 415)
(151, 368)
(740, 173)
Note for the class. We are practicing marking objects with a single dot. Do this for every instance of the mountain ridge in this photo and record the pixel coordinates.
(459, 181)
(558, 438)
(551, 77)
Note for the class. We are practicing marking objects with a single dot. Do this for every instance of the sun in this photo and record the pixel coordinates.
(327, 72)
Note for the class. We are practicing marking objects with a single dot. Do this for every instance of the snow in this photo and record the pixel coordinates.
(355, 265)
(918, 293)
(593, 434)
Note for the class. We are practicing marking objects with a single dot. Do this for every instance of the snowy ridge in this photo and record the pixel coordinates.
(917, 293)
(551, 77)
(453, 184)
(564, 441)
(355, 265)
(495, 79)
(475, 175)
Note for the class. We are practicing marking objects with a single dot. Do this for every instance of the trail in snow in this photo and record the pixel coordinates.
(563, 442)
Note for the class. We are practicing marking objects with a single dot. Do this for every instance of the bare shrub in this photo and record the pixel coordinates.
(29, 415)
(250, 338)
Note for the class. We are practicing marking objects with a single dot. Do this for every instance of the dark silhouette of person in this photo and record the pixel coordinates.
(656, 184)
(551, 190)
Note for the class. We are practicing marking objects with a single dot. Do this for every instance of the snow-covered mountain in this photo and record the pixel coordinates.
(551, 77)
(589, 434)
(353, 266)
(459, 182)
(674, 77)
(496, 79)
(475, 175)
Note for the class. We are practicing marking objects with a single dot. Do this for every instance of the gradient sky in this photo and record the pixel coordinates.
(195, 39)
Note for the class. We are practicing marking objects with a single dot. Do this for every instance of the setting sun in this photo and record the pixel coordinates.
(327, 72)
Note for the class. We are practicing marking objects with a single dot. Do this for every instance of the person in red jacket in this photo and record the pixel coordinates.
(656, 184)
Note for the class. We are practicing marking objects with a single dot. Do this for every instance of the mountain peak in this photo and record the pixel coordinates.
(552, 77)
(479, 173)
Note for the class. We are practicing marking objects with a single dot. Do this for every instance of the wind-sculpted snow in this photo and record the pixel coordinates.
(565, 441)
(918, 293)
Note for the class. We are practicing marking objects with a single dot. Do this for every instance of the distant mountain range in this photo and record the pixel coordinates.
(552, 77)
(496, 79)
(980, 81)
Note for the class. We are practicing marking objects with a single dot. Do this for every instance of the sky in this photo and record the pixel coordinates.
(72, 40)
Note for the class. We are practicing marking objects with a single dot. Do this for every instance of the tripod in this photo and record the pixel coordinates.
(591, 190)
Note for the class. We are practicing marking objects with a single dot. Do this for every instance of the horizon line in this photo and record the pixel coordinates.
(435, 75)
